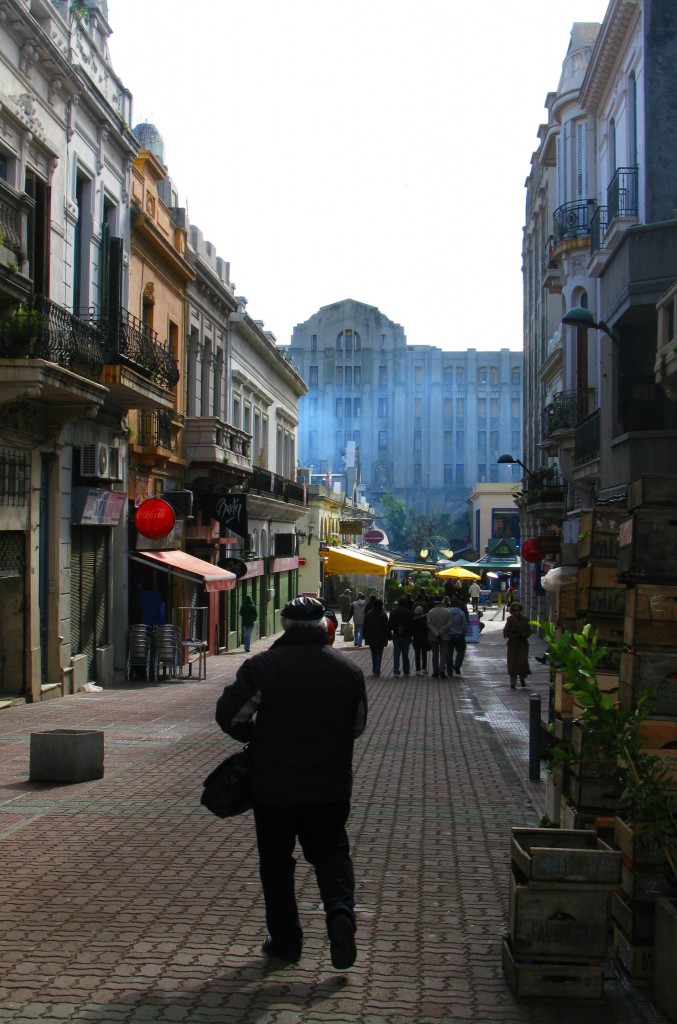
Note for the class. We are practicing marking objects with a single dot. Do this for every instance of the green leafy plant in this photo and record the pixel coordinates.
(613, 733)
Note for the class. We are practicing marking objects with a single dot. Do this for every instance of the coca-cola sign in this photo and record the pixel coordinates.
(374, 536)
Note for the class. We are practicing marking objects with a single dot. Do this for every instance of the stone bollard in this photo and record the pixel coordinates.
(66, 755)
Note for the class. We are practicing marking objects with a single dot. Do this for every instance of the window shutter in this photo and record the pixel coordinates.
(581, 161)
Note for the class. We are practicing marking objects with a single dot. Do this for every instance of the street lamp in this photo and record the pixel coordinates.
(579, 316)
(503, 460)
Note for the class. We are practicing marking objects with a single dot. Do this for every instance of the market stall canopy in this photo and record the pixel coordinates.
(178, 563)
(457, 572)
(342, 560)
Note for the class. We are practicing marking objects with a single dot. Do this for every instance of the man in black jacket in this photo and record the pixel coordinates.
(309, 703)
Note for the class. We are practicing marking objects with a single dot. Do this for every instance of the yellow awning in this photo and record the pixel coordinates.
(342, 560)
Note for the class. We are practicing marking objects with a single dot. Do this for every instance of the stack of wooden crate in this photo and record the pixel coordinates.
(560, 888)
(600, 594)
(647, 564)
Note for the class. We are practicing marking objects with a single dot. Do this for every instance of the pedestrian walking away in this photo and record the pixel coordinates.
(300, 705)
(356, 613)
(420, 640)
(249, 615)
(401, 622)
(376, 633)
(517, 630)
(474, 591)
(345, 601)
(439, 622)
(460, 620)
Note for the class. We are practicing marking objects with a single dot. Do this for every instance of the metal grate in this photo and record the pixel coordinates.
(12, 555)
(14, 477)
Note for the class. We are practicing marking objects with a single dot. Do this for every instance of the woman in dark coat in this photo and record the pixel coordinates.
(420, 639)
(517, 631)
(376, 633)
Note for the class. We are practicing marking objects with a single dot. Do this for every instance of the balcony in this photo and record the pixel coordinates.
(15, 285)
(587, 439)
(551, 273)
(159, 431)
(212, 441)
(622, 199)
(571, 224)
(140, 371)
(598, 247)
(544, 494)
(265, 482)
(42, 330)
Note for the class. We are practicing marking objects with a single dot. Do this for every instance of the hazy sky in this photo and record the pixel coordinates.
(366, 149)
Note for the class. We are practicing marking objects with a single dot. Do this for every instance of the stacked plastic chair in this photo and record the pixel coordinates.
(140, 650)
(168, 650)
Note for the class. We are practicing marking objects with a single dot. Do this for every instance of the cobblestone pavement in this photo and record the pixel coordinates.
(122, 900)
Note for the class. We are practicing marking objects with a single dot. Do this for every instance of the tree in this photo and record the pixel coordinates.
(394, 516)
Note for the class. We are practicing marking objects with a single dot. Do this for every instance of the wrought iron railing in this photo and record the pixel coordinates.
(587, 438)
(132, 343)
(562, 413)
(598, 225)
(622, 193)
(571, 220)
(158, 429)
(41, 329)
(265, 482)
(10, 219)
(548, 262)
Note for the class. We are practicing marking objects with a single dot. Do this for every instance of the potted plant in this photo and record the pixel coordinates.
(614, 735)
(22, 328)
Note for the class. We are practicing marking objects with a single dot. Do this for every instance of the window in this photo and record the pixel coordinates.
(339, 342)
(448, 438)
(448, 377)
(493, 440)
(448, 475)
(418, 407)
(460, 377)
(418, 376)
(460, 440)
(312, 406)
(460, 408)
(357, 407)
(417, 441)
(382, 440)
(382, 408)
(482, 440)
(313, 343)
(383, 376)
(349, 376)
(515, 441)
(515, 410)
(357, 376)
(339, 375)
(3, 167)
(312, 376)
(460, 474)
(417, 472)
(247, 425)
(447, 408)
(481, 472)
(482, 375)
(493, 376)
(340, 439)
(236, 412)
(357, 346)
(383, 341)
(339, 408)
(348, 342)
(515, 376)
(493, 408)
(354, 435)
(482, 408)
(348, 408)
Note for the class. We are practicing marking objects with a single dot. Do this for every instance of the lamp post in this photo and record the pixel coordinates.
(579, 316)
(508, 460)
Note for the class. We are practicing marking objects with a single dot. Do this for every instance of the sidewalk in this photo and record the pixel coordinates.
(122, 900)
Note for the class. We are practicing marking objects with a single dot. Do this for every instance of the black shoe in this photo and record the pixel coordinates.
(342, 942)
(292, 953)
(543, 660)
(523, 682)
(457, 671)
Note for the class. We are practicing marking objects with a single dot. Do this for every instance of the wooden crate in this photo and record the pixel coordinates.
(598, 535)
(564, 701)
(636, 918)
(610, 631)
(655, 671)
(575, 818)
(558, 920)
(658, 737)
(637, 960)
(608, 683)
(644, 882)
(636, 846)
(653, 489)
(599, 591)
(561, 855)
(651, 615)
(589, 750)
(647, 546)
(533, 980)
(561, 728)
(566, 603)
(590, 792)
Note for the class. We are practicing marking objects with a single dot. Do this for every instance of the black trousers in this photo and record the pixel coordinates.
(321, 832)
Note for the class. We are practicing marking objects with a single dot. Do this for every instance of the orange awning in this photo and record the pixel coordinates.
(180, 564)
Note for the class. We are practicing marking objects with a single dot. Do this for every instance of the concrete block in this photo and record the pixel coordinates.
(66, 755)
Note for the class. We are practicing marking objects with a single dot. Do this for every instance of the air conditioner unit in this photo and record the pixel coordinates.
(96, 461)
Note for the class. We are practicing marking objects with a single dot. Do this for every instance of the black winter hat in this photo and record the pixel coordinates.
(303, 609)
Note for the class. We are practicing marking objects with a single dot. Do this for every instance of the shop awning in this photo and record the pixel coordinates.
(342, 560)
(178, 563)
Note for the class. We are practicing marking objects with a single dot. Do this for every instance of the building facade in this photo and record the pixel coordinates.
(427, 424)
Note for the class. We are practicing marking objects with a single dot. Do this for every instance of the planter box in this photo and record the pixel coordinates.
(598, 535)
(665, 957)
(558, 921)
(654, 489)
(533, 980)
(647, 546)
(608, 683)
(636, 959)
(600, 592)
(635, 918)
(610, 629)
(645, 883)
(66, 755)
(651, 615)
(653, 671)
(592, 793)
(564, 701)
(557, 855)
(588, 748)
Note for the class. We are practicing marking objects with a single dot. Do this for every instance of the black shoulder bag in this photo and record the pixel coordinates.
(226, 790)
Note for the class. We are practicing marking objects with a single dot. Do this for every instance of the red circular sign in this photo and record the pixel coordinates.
(374, 536)
(155, 518)
(532, 550)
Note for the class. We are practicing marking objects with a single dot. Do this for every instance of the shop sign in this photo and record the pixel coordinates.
(374, 536)
(154, 518)
(94, 506)
(229, 509)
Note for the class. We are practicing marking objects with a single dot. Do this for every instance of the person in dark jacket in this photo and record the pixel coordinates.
(420, 639)
(300, 705)
(376, 633)
(460, 620)
(401, 622)
(249, 616)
